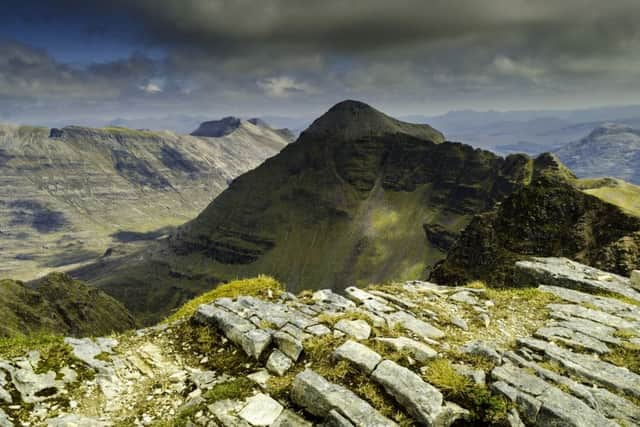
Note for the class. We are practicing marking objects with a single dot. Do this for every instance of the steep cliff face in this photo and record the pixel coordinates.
(68, 194)
(359, 198)
(58, 304)
(551, 217)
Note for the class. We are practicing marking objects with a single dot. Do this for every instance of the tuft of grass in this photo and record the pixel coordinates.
(485, 407)
(626, 333)
(626, 355)
(206, 341)
(441, 373)
(476, 284)
(260, 286)
(238, 388)
(20, 345)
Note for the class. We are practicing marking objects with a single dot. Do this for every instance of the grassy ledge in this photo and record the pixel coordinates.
(261, 286)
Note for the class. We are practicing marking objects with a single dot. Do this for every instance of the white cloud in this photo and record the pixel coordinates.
(281, 87)
(151, 88)
(509, 67)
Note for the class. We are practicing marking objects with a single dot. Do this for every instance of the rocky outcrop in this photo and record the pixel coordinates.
(549, 218)
(67, 195)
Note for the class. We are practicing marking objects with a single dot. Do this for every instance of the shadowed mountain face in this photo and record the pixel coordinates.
(610, 150)
(66, 195)
(358, 198)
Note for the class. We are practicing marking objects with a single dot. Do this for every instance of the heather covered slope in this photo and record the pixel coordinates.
(58, 304)
(359, 198)
(66, 195)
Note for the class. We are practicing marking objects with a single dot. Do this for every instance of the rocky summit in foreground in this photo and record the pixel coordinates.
(69, 195)
(564, 353)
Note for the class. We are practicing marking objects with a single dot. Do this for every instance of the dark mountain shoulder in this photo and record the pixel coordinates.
(551, 217)
(59, 304)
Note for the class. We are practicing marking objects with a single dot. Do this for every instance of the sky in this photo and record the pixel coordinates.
(82, 61)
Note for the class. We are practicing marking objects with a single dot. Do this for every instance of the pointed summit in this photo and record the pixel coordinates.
(350, 120)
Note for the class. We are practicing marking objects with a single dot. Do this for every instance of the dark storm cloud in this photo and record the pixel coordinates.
(30, 72)
(459, 46)
(248, 56)
(575, 26)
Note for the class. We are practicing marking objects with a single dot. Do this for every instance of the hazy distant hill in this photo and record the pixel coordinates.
(68, 194)
(532, 132)
(610, 150)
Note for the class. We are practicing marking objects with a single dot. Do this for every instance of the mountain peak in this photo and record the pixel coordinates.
(351, 119)
(218, 128)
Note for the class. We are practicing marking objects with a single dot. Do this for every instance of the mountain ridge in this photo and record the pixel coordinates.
(74, 189)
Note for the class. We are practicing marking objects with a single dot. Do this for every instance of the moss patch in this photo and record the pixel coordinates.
(239, 388)
(485, 408)
(626, 355)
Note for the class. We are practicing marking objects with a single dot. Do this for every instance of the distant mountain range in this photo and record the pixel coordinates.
(611, 150)
(68, 194)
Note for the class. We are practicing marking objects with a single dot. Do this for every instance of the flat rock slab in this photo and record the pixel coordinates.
(418, 350)
(483, 349)
(5, 421)
(542, 404)
(327, 296)
(572, 338)
(421, 400)
(417, 326)
(288, 344)
(465, 297)
(319, 397)
(609, 305)
(565, 273)
(279, 363)
(563, 311)
(360, 355)
(261, 410)
(75, 420)
(358, 329)
(226, 412)
(588, 367)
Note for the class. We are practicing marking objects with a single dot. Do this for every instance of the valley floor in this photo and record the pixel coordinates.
(566, 352)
